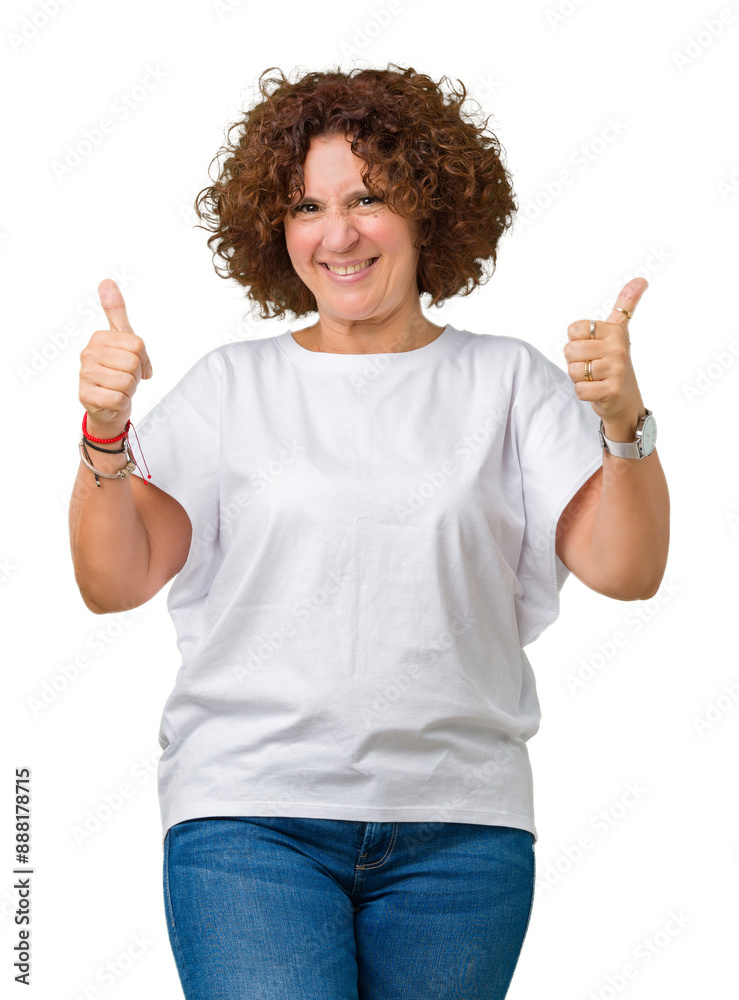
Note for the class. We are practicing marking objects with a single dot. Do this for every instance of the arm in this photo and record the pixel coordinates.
(128, 538)
(614, 533)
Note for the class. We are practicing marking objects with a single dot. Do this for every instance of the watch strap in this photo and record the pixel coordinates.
(621, 449)
(625, 449)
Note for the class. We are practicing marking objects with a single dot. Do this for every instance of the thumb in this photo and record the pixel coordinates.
(114, 306)
(628, 298)
(111, 299)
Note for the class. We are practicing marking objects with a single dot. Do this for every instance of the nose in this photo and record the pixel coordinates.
(339, 232)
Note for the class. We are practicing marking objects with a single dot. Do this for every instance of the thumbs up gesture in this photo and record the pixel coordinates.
(113, 363)
(608, 382)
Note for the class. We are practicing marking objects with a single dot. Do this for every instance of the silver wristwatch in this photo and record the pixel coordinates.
(646, 439)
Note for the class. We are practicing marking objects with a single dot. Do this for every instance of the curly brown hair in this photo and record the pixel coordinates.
(437, 165)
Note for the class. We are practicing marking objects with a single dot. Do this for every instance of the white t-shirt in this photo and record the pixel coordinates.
(373, 546)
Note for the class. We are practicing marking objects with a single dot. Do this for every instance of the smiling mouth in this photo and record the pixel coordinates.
(354, 269)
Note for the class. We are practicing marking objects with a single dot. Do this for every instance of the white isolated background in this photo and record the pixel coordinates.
(638, 856)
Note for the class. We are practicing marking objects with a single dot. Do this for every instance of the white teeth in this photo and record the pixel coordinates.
(349, 270)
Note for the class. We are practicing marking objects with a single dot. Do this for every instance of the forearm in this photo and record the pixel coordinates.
(109, 541)
(630, 533)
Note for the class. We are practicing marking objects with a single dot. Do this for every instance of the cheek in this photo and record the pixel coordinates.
(396, 236)
(298, 243)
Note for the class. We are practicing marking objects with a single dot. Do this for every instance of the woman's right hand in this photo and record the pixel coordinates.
(113, 363)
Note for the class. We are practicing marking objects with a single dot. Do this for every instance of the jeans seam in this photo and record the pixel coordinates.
(533, 890)
(531, 910)
(170, 912)
(388, 852)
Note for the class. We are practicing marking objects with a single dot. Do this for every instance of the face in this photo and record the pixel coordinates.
(339, 222)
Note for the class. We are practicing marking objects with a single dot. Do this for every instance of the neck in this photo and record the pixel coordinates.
(338, 336)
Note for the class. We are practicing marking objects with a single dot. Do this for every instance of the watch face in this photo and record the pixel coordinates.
(649, 435)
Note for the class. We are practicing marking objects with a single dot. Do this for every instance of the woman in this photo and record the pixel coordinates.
(368, 519)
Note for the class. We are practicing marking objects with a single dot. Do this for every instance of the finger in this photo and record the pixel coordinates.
(596, 370)
(118, 359)
(114, 306)
(580, 330)
(628, 298)
(110, 378)
(100, 397)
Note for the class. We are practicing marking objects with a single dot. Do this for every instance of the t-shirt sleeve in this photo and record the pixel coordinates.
(177, 443)
(556, 435)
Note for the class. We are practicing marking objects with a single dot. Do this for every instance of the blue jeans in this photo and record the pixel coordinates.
(284, 908)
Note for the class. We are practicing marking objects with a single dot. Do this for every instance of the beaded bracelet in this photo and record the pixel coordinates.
(127, 469)
(103, 440)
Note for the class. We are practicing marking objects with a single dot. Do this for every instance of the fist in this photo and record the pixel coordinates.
(113, 363)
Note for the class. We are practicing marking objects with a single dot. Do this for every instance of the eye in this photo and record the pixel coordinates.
(310, 204)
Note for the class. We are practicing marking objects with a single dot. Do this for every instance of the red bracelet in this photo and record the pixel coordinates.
(103, 440)
(123, 434)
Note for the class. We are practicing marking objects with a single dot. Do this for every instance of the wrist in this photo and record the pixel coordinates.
(623, 428)
(105, 452)
(94, 429)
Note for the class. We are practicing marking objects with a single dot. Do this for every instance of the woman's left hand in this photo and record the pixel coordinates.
(613, 392)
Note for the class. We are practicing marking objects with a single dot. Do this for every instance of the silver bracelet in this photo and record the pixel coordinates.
(123, 473)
